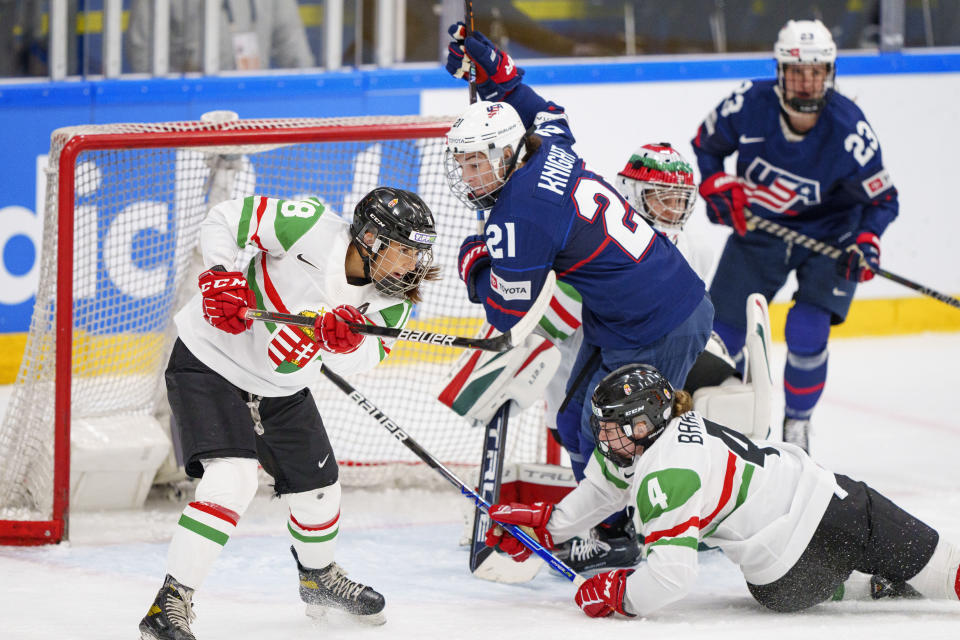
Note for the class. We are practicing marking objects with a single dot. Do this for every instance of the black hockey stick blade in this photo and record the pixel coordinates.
(511, 338)
(789, 235)
(491, 472)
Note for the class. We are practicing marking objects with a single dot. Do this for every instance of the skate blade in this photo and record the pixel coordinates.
(318, 615)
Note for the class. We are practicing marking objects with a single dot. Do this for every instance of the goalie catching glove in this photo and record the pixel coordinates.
(225, 294)
(603, 594)
(532, 518)
(333, 329)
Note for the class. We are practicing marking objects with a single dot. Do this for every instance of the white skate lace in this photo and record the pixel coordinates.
(584, 549)
(339, 584)
(179, 610)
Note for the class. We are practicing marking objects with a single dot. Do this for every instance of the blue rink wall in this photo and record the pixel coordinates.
(30, 112)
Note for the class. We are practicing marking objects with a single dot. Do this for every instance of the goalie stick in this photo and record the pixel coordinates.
(529, 541)
(491, 472)
(509, 339)
(789, 235)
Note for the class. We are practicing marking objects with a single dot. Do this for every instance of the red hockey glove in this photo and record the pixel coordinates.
(225, 293)
(725, 201)
(497, 75)
(603, 594)
(334, 331)
(532, 517)
(860, 258)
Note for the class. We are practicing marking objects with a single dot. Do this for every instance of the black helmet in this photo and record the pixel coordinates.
(393, 215)
(633, 394)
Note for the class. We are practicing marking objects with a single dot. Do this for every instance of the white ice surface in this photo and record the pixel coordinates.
(887, 417)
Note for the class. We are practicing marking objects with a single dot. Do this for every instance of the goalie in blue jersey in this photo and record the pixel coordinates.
(808, 159)
(512, 154)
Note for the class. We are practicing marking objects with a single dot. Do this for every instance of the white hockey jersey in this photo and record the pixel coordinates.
(299, 267)
(758, 502)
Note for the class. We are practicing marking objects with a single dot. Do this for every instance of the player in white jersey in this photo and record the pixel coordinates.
(239, 391)
(796, 530)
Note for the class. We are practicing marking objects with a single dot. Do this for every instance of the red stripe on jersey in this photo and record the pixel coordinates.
(673, 531)
(256, 234)
(216, 510)
(727, 489)
(565, 315)
(802, 390)
(587, 259)
(271, 290)
(543, 347)
(493, 304)
(315, 527)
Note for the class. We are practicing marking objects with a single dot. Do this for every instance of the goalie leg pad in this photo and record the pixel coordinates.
(314, 524)
(206, 524)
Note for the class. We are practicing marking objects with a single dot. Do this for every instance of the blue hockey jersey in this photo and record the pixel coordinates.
(554, 213)
(829, 182)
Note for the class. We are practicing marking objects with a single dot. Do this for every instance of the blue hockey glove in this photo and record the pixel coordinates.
(473, 257)
(860, 258)
(497, 75)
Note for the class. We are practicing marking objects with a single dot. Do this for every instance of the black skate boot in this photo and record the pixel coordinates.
(607, 547)
(330, 587)
(881, 587)
(170, 615)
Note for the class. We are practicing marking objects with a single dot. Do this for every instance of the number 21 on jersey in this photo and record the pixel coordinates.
(621, 222)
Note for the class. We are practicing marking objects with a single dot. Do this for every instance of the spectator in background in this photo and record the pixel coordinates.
(254, 34)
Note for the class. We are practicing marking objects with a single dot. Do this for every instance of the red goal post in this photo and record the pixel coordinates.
(121, 222)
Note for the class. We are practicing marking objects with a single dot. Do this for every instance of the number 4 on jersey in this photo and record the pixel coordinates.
(655, 494)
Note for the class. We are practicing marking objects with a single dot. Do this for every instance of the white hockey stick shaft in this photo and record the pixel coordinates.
(529, 541)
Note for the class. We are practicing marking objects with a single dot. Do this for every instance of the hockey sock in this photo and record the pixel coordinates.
(314, 524)
(807, 329)
(940, 578)
(227, 486)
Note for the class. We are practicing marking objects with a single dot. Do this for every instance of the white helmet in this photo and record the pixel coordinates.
(659, 183)
(805, 42)
(486, 128)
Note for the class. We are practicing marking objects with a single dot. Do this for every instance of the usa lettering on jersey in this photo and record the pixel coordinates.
(778, 189)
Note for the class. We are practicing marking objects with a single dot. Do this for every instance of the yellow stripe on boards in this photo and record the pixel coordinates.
(138, 353)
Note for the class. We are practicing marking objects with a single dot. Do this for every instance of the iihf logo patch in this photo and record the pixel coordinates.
(392, 203)
(627, 390)
(494, 109)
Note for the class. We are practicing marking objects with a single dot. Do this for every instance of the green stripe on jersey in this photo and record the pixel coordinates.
(246, 216)
(294, 218)
(665, 490)
(394, 316)
(609, 475)
(745, 478)
(201, 529)
(686, 541)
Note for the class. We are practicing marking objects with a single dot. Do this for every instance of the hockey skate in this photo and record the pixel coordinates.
(604, 548)
(170, 615)
(797, 432)
(881, 587)
(330, 587)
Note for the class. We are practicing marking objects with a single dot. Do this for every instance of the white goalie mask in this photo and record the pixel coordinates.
(474, 157)
(805, 42)
(658, 182)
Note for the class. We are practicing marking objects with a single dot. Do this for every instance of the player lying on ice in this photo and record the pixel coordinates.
(239, 392)
(796, 530)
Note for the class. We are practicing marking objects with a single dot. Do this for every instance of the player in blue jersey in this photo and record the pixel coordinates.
(808, 159)
(511, 154)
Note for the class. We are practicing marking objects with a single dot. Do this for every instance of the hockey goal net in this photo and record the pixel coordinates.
(121, 222)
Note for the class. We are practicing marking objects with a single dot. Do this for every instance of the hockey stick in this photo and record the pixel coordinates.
(528, 541)
(491, 471)
(509, 339)
(789, 235)
(468, 20)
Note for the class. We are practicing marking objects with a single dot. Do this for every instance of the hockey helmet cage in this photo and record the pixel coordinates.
(631, 396)
(487, 128)
(659, 183)
(805, 42)
(388, 216)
